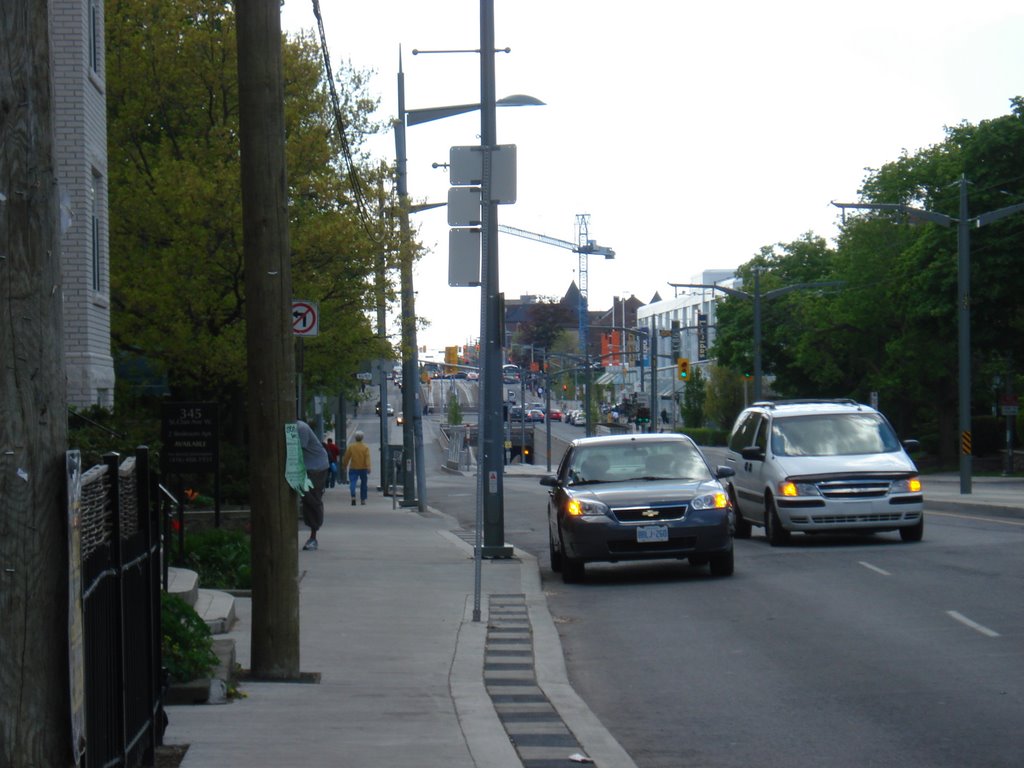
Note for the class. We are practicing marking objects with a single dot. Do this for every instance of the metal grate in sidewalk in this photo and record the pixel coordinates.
(534, 726)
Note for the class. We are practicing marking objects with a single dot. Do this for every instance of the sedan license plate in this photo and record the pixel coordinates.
(649, 533)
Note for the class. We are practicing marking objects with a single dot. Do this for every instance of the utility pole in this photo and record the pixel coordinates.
(35, 722)
(269, 340)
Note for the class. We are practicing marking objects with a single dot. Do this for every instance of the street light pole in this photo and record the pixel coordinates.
(491, 469)
(757, 298)
(412, 428)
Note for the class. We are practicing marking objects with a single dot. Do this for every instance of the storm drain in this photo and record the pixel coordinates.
(534, 727)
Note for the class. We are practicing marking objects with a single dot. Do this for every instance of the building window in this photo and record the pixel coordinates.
(94, 235)
(94, 36)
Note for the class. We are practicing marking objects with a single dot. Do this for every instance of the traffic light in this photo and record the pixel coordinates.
(683, 368)
(747, 376)
(565, 387)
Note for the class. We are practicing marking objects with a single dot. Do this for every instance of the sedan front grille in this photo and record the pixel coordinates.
(652, 514)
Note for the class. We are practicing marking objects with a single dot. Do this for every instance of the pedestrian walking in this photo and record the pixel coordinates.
(357, 461)
(317, 462)
(333, 452)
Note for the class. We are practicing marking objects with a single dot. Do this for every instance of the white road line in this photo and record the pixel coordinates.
(874, 568)
(1001, 520)
(973, 624)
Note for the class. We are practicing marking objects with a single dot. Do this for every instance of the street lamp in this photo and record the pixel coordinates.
(757, 298)
(412, 429)
(963, 300)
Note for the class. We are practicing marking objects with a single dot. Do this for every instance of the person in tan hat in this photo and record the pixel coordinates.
(357, 461)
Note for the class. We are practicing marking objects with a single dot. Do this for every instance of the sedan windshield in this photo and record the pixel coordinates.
(621, 463)
(833, 435)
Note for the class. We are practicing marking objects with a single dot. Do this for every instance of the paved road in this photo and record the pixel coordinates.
(836, 651)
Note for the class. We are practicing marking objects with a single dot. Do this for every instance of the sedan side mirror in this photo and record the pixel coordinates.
(724, 471)
(911, 445)
(549, 480)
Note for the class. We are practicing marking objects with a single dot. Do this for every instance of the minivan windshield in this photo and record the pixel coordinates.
(840, 434)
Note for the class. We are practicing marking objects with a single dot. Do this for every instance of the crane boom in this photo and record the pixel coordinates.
(534, 236)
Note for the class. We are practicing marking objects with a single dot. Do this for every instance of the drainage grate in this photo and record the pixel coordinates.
(533, 725)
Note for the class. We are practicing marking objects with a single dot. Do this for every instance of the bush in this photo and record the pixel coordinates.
(706, 435)
(221, 557)
(186, 641)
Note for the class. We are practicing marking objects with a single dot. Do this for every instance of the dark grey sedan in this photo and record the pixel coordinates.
(637, 497)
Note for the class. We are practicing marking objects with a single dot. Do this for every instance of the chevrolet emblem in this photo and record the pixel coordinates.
(650, 513)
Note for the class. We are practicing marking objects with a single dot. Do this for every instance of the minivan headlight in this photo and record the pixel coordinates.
(789, 488)
(585, 508)
(716, 500)
(907, 485)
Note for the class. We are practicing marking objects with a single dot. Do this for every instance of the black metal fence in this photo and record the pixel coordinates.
(121, 579)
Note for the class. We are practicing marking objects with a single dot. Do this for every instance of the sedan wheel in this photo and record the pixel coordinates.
(723, 564)
(553, 554)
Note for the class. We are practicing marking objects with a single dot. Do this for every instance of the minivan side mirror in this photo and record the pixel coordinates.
(724, 471)
(752, 453)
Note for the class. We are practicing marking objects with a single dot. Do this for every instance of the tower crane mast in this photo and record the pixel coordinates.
(584, 246)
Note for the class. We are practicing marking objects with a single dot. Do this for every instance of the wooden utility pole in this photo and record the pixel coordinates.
(35, 722)
(269, 340)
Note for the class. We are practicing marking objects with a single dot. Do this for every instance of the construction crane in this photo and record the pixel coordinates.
(585, 247)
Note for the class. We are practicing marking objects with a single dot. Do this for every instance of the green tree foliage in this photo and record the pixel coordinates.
(694, 398)
(175, 203)
(892, 326)
(724, 396)
(545, 325)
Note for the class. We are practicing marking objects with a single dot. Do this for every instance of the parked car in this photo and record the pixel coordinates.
(822, 466)
(637, 497)
(554, 414)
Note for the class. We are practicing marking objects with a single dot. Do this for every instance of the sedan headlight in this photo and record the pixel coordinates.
(906, 485)
(585, 508)
(717, 500)
(789, 488)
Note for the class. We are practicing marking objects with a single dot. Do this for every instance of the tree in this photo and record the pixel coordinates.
(177, 278)
(35, 726)
(694, 398)
(545, 325)
(725, 400)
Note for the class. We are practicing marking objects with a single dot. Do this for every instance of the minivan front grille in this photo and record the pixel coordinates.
(854, 488)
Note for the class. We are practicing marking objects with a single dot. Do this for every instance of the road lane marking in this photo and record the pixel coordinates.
(973, 624)
(1002, 520)
(874, 568)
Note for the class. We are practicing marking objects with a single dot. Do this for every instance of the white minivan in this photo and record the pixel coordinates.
(822, 466)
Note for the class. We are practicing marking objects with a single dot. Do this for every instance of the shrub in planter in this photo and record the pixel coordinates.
(186, 641)
(221, 557)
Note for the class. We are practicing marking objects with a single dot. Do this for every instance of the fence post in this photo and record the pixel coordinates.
(149, 517)
(112, 462)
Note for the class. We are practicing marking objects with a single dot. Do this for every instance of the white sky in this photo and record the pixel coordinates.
(693, 134)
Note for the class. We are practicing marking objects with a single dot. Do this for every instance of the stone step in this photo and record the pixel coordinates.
(183, 583)
(216, 608)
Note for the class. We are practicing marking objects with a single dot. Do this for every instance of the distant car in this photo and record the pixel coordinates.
(554, 414)
(637, 497)
(515, 413)
(400, 419)
(391, 409)
(535, 414)
(472, 375)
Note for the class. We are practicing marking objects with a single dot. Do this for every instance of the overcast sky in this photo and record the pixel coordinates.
(693, 134)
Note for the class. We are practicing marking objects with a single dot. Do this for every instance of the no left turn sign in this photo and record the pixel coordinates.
(305, 318)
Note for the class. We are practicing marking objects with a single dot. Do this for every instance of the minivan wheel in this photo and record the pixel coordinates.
(914, 532)
(773, 531)
(741, 527)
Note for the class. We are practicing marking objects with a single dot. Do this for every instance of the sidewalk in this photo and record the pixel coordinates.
(406, 677)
